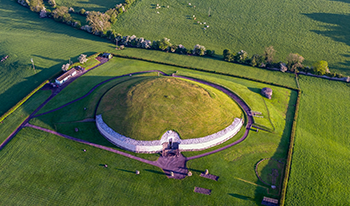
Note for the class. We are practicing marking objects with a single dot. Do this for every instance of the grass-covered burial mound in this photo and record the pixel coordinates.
(144, 108)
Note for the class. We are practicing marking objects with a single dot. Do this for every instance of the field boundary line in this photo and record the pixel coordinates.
(205, 70)
(290, 152)
(22, 101)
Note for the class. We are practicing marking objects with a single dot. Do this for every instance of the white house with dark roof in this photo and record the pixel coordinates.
(64, 77)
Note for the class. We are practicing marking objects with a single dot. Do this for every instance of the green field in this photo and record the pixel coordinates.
(238, 160)
(317, 30)
(89, 5)
(24, 36)
(31, 165)
(145, 109)
(322, 146)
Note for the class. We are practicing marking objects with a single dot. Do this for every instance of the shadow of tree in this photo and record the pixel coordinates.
(339, 29)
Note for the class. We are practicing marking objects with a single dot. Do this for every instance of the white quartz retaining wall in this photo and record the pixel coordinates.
(156, 145)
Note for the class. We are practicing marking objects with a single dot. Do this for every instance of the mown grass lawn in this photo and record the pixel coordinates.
(40, 168)
(317, 30)
(235, 166)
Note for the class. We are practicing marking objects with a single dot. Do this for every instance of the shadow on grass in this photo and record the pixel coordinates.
(129, 171)
(156, 172)
(242, 197)
(191, 169)
(255, 90)
(280, 154)
(337, 29)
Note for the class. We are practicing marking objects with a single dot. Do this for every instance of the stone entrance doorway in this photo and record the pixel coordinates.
(170, 149)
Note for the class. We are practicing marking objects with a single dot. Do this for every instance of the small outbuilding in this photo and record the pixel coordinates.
(107, 55)
(64, 77)
(266, 92)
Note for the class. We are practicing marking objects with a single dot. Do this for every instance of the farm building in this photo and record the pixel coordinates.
(107, 55)
(64, 77)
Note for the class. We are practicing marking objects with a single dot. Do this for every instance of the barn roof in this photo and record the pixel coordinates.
(66, 74)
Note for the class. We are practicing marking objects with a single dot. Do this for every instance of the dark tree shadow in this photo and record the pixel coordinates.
(338, 31)
(255, 90)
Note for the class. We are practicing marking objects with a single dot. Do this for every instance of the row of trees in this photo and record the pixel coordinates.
(294, 62)
(99, 22)
(163, 45)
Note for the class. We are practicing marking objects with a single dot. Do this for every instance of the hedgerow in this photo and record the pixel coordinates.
(10, 111)
(290, 152)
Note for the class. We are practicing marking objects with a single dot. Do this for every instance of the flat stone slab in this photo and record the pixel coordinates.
(210, 176)
(202, 190)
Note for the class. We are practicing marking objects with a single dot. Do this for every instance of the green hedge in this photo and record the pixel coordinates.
(290, 152)
(205, 70)
(22, 101)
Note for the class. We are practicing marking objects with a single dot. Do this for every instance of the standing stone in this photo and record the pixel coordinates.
(189, 173)
(206, 171)
(172, 173)
(137, 172)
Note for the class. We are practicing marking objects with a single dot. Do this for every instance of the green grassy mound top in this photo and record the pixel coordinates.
(144, 108)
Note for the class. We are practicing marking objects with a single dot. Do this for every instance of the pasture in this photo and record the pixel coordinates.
(317, 30)
(24, 36)
(89, 5)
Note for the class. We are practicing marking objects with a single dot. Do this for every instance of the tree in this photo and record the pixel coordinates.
(269, 54)
(164, 43)
(257, 60)
(36, 5)
(61, 14)
(82, 58)
(199, 50)
(52, 3)
(241, 56)
(226, 54)
(321, 67)
(82, 11)
(98, 21)
(294, 61)
(65, 67)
